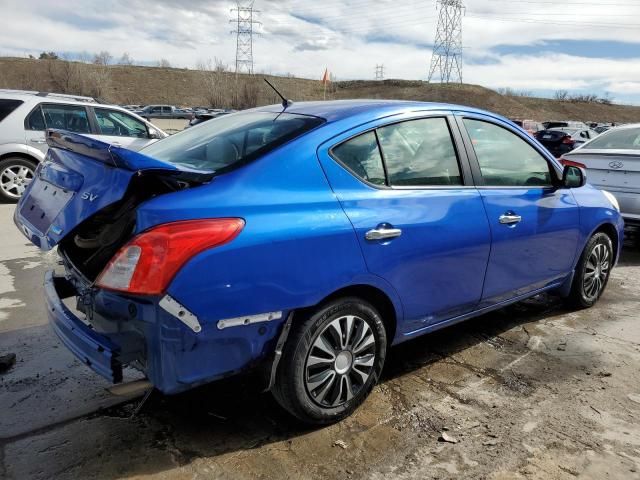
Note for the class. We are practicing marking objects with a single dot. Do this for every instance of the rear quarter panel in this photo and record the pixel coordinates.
(296, 248)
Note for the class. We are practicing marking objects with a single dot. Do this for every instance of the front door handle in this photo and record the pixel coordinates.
(509, 218)
(382, 233)
(34, 140)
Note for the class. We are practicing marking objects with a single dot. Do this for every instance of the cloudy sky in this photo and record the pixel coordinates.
(584, 46)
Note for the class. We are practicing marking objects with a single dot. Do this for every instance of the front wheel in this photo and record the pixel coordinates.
(592, 272)
(15, 174)
(331, 361)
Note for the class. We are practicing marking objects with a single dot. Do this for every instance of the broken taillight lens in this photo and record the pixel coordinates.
(147, 264)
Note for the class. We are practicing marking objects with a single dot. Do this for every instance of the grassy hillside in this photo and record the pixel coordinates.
(144, 85)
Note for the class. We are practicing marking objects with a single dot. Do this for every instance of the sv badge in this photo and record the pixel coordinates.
(89, 196)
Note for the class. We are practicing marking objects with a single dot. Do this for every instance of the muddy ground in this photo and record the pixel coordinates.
(532, 392)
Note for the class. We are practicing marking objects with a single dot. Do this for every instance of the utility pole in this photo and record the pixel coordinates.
(243, 21)
(446, 60)
(380, 72)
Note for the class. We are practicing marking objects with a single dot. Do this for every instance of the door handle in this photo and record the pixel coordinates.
(33, 140)
(509, 218)
(382, 233)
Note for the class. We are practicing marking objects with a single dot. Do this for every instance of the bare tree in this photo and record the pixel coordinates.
(561, 95)
(103, 58)
(163, 63)
(218, 82)
(125, 59)
(48, 56)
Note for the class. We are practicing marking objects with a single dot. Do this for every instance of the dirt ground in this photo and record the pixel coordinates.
(530, 392)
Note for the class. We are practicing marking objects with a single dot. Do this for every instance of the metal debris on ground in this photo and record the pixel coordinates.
(445, 437)
(340, 443)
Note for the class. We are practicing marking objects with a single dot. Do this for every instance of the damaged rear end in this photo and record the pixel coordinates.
(84, 200)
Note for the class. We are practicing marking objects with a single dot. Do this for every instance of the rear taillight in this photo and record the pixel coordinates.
(571, 163)
(567, 140)
(147, 264)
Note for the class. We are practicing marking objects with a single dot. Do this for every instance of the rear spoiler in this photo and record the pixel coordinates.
(119, 157)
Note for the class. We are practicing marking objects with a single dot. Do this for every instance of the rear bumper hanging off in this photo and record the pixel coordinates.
(90, 347)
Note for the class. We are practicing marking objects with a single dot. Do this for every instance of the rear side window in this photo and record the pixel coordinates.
(506, 159)
(617, 139)
(66, 117)
(7, 106)
(420, 153)
(362, 156)
(226, 142)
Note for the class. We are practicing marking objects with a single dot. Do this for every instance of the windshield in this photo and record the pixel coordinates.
(617, 139)
(231, 140)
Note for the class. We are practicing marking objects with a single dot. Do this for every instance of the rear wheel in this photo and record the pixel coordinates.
(15, 174)
(331, 361)
(592, 272)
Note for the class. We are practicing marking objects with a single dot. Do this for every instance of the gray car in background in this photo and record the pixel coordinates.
(612, 162)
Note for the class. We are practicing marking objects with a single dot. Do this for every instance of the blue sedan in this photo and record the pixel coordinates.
(306, 240)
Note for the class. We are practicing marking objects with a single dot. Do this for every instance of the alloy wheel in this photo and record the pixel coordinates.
(340, 361)
(14, 180)
(596, 271)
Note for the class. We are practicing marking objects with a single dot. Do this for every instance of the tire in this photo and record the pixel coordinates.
(592, 272)
(15, 174)
(318, 389)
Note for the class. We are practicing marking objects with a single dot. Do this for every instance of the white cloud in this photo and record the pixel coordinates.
(348, 36)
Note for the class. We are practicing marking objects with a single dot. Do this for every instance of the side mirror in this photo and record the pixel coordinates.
(573, 177)
(153, 134)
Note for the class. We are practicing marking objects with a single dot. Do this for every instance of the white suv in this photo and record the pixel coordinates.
(24, 117)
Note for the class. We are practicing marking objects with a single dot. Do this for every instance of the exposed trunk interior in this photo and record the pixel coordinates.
(95, 241)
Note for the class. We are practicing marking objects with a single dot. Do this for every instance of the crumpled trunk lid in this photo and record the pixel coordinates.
(80, 177)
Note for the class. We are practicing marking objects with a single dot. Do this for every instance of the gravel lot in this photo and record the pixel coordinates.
(533, 391)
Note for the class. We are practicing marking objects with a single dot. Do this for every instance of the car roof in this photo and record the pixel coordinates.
(335, 110)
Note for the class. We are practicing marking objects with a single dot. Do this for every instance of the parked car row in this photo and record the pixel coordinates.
(25, 115)
(149, 112)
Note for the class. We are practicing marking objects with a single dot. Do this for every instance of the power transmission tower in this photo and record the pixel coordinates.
(379, 72)
(446, 60)
(244, 23)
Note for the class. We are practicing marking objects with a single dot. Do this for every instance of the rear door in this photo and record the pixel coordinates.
(534, 224)
(72, 118)
(420, 222)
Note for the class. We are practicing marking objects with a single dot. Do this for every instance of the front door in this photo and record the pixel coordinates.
(420, 222)
(534, 222)
(118, 128)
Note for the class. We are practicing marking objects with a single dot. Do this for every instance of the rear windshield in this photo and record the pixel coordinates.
(617, 139)
(223, 143)
(7, 106)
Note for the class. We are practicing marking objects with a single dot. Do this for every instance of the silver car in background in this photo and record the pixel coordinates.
(25, 115)
(612, 162)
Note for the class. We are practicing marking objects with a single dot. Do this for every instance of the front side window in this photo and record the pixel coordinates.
(420, 153)
(506, 159)
(617, 139)
(362, 156)
(115, 123)
(222, 143)
(66, 117)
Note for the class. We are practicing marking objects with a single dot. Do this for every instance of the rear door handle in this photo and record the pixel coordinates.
(509, 218)
(33, 140)
(382, 233)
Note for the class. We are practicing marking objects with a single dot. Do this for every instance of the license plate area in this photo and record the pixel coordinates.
(43, 204)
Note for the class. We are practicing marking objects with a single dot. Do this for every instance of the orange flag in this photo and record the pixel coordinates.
(325, 77)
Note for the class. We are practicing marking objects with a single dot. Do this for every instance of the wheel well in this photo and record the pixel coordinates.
(20, 155)
(611, 231)
(377, 298)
